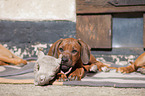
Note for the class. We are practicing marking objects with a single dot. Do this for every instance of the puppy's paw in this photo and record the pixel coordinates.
(73, 77)
(141, 70)
(77, 74)
(62, 77)
(105, 69)
(93, 69)
(123, 70)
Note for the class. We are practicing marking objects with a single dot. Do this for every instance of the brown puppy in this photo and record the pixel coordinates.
(76, 58)
(139, 63)
(7, 57)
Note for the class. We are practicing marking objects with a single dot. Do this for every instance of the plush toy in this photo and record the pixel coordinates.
(46, 68)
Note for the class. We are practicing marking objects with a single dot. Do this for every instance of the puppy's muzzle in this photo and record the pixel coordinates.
(65, 59)
(65, 64)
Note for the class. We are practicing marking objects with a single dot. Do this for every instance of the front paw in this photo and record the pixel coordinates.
(93, 69)
(123, 70)
(24, 61)
(77, 74)
(62, 77)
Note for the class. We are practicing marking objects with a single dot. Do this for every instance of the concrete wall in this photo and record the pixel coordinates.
(26, 25)
(37, 10)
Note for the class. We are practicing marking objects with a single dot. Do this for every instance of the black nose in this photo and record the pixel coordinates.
(64, 59)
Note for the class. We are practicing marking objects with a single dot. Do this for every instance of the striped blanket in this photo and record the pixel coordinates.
(111, 79)
(10, 74)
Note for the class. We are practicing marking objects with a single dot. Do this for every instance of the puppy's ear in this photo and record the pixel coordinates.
(85, 52)
(54, 48)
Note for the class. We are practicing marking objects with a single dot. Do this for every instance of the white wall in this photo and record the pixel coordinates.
(37, 10)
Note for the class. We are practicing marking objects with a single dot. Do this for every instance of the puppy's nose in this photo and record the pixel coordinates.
(64, 59)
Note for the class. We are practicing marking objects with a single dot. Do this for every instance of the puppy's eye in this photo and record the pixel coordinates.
(74, 51)
(61, 50)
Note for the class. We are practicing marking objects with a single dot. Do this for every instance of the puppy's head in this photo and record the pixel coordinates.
(74, 52)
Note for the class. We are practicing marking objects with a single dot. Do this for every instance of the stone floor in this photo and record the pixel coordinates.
(53, 90)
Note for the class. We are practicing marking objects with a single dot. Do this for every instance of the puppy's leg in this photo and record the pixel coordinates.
(128, 69)
(7, 56)
(15, 61)
(3, 63)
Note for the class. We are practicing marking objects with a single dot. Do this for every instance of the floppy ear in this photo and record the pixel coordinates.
(54, 48)
(85, 52)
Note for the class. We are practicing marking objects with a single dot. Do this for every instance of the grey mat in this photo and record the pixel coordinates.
(111, 79)
(106, 79)
(14, 72)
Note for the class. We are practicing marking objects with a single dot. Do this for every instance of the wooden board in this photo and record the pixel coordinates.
(144, 30)
(102, 6)
(95, 30)
(127, 2)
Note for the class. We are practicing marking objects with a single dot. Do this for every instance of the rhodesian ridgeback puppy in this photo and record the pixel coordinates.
(139, 63)
(76, 58)
(7, 57)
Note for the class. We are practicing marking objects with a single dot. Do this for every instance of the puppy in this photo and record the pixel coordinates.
(139, 63)
(7, 57)
(76, 58)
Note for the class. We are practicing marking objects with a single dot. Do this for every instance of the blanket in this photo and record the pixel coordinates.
(25, 75)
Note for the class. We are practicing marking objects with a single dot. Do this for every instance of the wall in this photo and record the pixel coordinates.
(37, 10)
(26, 25)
